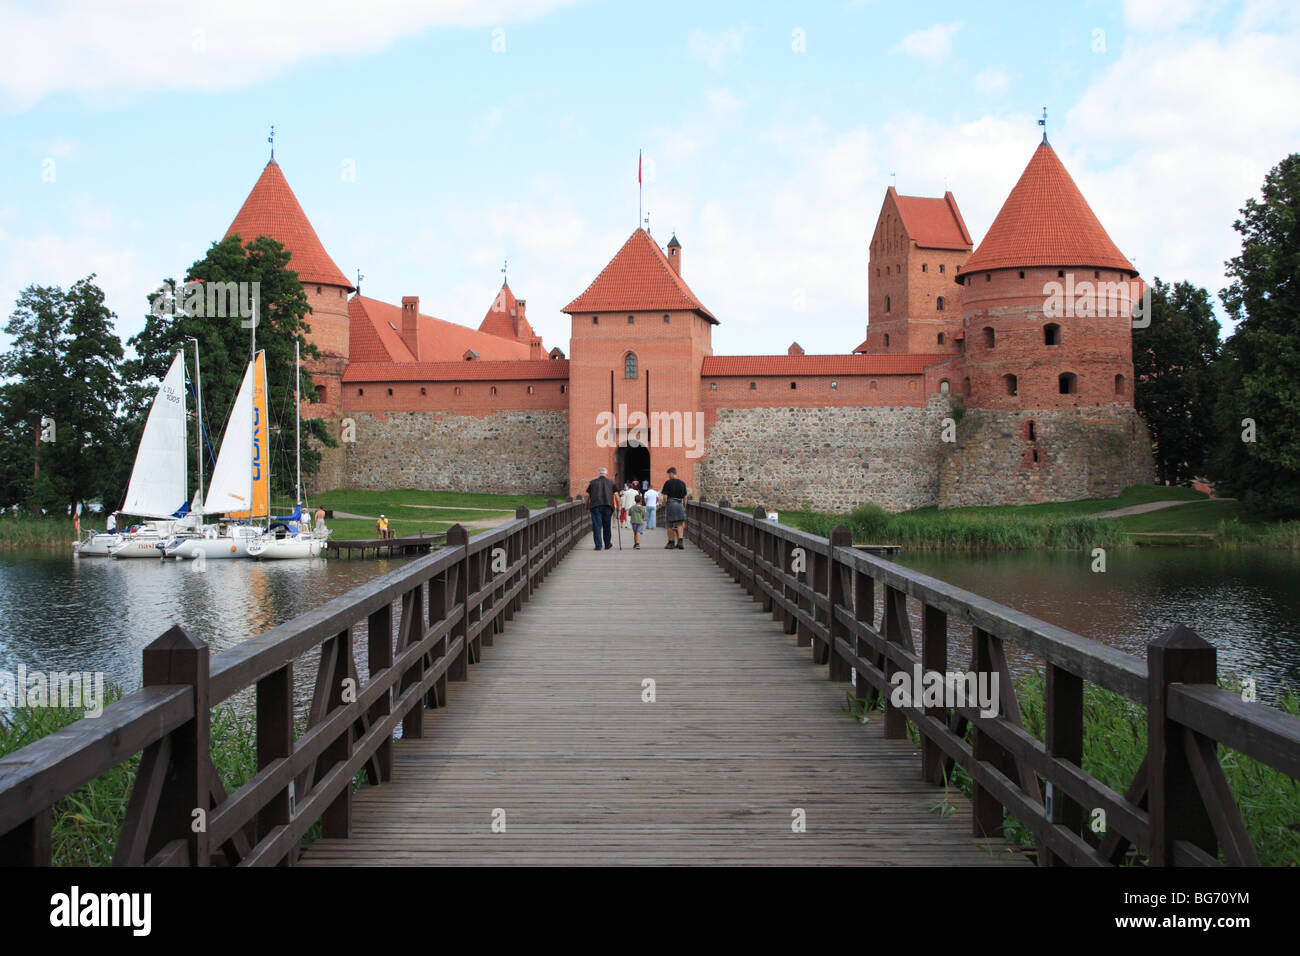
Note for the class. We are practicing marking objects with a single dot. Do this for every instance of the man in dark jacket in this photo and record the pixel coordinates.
(600, 499)
(674, 495)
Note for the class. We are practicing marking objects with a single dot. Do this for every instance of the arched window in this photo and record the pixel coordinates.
(886, 303)
(794, 384)
(1069, 383)
(1032, 431)
(886, 340)
(494, 389)
(629, 365)
(1051, 334)
(938, 304)
(457, 389)
(1119, 384)
(925, 267)
(1011, 385)
(943, 387)
(989, 338)
(320, 393)
(941, 338)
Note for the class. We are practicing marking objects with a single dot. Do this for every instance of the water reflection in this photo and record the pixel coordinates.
(94, 614)
(1246, 603)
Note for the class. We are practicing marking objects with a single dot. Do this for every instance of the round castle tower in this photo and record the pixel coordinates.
(1047, 301)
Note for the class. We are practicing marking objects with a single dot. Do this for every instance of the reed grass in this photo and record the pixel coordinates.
(47, 532)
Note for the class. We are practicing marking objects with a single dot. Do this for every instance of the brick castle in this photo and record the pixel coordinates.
(974, 384)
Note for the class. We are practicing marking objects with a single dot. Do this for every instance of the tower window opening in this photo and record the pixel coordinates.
(1069, 383)
(1012, 386)
(886, 340)
(925, 267)
(887, 306)
(1051, 334)
(941, 338)
(629, 365)
(941, 268)
(1119, 384)
(886, 270)
(989, 338)
(938, 304)
(1033, 432)
(1035, 456)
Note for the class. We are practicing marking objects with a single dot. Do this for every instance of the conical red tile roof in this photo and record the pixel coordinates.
(638, 278)
(271, 209)
(1045, 221)
(500, 318)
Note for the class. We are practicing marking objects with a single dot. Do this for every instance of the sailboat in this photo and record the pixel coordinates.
(157, 488)
(285, 541)
(241, 481)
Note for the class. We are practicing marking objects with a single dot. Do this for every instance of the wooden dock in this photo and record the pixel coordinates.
(410, 544)
(744, 732)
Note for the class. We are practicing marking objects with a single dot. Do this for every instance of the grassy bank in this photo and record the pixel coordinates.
(412, 511)
(47, 532)
(1195, 521)
(1114, 745)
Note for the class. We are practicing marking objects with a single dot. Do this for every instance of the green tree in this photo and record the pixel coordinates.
(1261, 360)
(1173, 359)
(225, 345)
(64, 384)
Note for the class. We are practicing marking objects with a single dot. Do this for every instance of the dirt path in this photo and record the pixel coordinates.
(1150, 506)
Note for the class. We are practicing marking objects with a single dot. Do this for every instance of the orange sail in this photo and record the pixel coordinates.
(261, 442)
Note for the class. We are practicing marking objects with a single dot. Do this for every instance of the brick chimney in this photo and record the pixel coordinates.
(411, 324)
(520, 308)
(675, 254)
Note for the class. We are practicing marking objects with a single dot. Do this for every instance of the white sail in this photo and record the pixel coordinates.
(231, 488)
(157, 488)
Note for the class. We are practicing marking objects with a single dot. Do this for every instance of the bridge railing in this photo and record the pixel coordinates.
(1178, 810)
(451, 603)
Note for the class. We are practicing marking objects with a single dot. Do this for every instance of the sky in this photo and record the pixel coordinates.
(429, 142)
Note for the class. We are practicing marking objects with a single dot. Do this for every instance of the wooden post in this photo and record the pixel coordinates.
(1175, 810)
(178, 658)
(379, 652)
(898, 631)
(441, 603)
(458, 537)
(274, 710)
(840, 537)
(756, 539)
(934, 657)
(864, 609)
(986, 815)
(1064, 693)
(29, 843)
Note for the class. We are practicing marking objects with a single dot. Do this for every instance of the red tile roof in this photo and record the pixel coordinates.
(526, 370)
(722, 366)
(271, 209)
(1045, 221)
(376, 336)
(638, 279)
(933, 223)
(500, 318)
(861, 348)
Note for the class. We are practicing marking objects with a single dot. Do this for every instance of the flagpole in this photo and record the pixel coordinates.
(638, 189)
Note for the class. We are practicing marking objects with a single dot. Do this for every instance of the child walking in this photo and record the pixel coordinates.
(636, 514)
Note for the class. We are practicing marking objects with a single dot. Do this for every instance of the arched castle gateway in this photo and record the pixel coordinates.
(1002, 375)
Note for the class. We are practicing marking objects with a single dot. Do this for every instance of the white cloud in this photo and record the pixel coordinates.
(106, 52)
(991, 80)
(1154, 15)
(724, 101)
(714, 48)
(932, 43)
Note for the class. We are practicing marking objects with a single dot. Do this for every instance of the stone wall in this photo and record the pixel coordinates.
(1028, 457)
(506, 452)
(829, 459)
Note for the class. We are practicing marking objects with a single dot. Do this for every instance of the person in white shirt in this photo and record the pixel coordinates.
(651, 503)
(627, 498)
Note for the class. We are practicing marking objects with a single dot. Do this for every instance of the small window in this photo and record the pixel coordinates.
(938, 304)
(753, 386)
(1068, 383)
(629, 365)
(794, 384)
(423, 391)
(595, 320)
(871, 387)
(924, 267)
(1096, 275)
(318, 290)
(494, 389)
(877, 272)
(530, 390)
(1051, 334)
(887, 305)
(361, 391)
(965, 387)
(631, 320)
(1060, 273)
(1022, 273)
(886, 340)
(1035, 456)
(1033, 432)
(320, 393)
(988, 277)
(457, 390)
(1119, 384)
(1010, 384)
(835, 384)
(943, 387)
(390, 391)
(941, 268)
(886, 270)
(667, 318)
(564, 389)
(941, 338)
(989, 338)
(713, 386)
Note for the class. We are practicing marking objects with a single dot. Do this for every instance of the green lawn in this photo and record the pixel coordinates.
(411, 511)
(1197, 516)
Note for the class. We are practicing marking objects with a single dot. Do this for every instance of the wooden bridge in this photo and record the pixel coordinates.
(562, 705)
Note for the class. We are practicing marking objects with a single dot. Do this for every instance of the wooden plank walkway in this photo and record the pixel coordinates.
(551, 728)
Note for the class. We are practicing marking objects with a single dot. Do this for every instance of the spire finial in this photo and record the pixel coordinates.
(504, 264)
(1043, 123)
(359, 278)
(647, 221)
(271, 139)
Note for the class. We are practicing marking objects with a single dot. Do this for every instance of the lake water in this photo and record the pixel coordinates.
(59, 612)
(1246, 603)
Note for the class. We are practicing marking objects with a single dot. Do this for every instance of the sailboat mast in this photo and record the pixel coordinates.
(198, 391)
(297, 418)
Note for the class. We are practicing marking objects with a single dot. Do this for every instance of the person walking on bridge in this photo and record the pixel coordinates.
(600, 500)
(674, 492)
